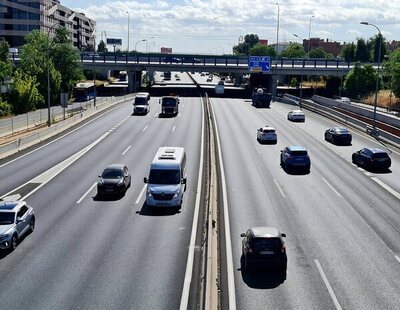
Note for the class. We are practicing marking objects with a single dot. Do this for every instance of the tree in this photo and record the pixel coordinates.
(262, 50)
(4, 46)
(319, 53)
(374, 42)
(6, 69)
(244, 48)
(25, 95)
(62, 36)
(34, 62)
(362, 52)
(360, 80)
(392, 69)
(294, 50)
(348, 52)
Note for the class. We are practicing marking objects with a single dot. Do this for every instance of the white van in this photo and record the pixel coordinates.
(167, 178)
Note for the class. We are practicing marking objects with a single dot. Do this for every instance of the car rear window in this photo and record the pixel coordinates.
(268, 131)
(298, 153)
(380, 155)
(265, 243)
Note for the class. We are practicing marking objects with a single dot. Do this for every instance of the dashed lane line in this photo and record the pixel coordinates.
(279, 188)
(141, 194)
(331, 187)
(86, 193)
(126, 150)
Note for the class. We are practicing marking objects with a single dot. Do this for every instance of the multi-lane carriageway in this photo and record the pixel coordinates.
(341, 222)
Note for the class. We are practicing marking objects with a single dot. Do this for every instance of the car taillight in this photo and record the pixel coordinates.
(250, 250)
(308, 157)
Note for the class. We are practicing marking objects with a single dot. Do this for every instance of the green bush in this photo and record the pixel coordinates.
(5, 108)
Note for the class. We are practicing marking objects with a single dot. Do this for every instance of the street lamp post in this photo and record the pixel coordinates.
(137, 44)
(94, 68)
(147, 43)
(302, 73)
(309, 35)
(48, 75)
(377, 78)
(276, 55)
(128, 30)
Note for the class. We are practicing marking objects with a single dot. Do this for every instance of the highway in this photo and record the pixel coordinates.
(92, 254)
(342, 224)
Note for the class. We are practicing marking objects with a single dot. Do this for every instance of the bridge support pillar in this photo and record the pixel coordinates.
(131, 82)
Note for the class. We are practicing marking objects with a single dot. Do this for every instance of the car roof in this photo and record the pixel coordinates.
(142, 95)
(297, 111)
(266, 232)
(10, 205)
(375, 150)
(297, 148)
(268, 128)
(115, 166)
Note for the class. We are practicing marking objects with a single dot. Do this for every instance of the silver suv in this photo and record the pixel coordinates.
(16, 219)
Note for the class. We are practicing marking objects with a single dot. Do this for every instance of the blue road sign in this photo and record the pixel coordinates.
(259, 63)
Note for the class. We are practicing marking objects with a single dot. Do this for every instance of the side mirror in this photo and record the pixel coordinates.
(145, 180)
(281, 151)
(159, 101)
(19, 220)
(99, 176)
(283, 235)
(242, 235)
(183, 180)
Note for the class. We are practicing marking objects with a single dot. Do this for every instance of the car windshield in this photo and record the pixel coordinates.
(265, 243)
(140, 101)
(380, 155)
(161, 176)
(112, 174)
(169, 102)
(299, 153)
(342, 131)
(7, 218)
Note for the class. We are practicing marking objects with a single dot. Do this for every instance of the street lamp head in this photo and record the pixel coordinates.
(364, 23)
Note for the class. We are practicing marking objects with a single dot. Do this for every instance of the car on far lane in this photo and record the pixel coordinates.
(338, 135)
(372, 158)
(16, 220)
(296, 115)
(267, 134)
(295, 156)
(264, 247)
(114, 180)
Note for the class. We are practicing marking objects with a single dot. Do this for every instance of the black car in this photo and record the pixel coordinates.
(114, 180)
(264, 247)
(372, 158)
(338, 135)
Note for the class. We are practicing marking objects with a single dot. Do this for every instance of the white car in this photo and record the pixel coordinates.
(296, 115)
(267, 134)
(344, 100)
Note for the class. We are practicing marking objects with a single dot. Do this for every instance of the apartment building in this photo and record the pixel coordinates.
(18, 18)
(332, 47)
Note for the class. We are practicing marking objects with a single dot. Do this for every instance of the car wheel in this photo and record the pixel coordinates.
(353, 160)
(32, 225)
(14, 242)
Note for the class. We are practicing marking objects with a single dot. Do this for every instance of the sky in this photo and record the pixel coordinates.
(214, 26)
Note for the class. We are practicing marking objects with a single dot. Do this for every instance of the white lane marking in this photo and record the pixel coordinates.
(141, 194)
(87, 192)
(228, 241)
(126, 150)
(155, 115)
(279, 188)
(192, 245)
(49, 174)
(173, 128)
(330, 290)
(183, 105)
(332, 188)
(179, 114)
(258, 151)
(145, 127)
(63, 136)
(387, 187)
(398, 258)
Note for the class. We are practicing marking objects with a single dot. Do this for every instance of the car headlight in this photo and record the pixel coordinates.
(149, 193)
(100, 183)
(176, 194)
(120, 183)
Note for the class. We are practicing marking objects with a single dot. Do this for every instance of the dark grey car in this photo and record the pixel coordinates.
(16, 219)
(114, 180)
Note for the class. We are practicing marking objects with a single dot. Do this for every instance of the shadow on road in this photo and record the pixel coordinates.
(263, 278)
(162, 211)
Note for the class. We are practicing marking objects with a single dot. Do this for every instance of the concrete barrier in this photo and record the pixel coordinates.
(45, 133)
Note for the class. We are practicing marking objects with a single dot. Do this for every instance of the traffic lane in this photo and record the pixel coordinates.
(254, 200)
(296, 186)
(22, 167)
(319, 124)
(107, 235)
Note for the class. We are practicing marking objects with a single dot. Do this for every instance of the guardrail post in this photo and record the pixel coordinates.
(315, 63)
(148, 58)
(292, 63)
(104, 57)
(215, 61)
(237, 62)
(126, 57)
(281, 63)
(115, 58)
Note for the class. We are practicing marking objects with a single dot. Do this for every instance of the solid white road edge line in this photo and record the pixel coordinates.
(279, 188)
(328, 286)
(87, 192)
(92, 120)
(141, 194)
(258, 151)
(190, 259)
(126, 150)
(387, 187)
(332, 188)
(228, 241)
(397, 257)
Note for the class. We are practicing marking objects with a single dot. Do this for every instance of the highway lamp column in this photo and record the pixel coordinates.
(147, 44)
(48, 75)
(128, 31)
(309, 35)
(137, 44)
(378, 71)
(302, 73)
(276, 55)
(94, 68)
